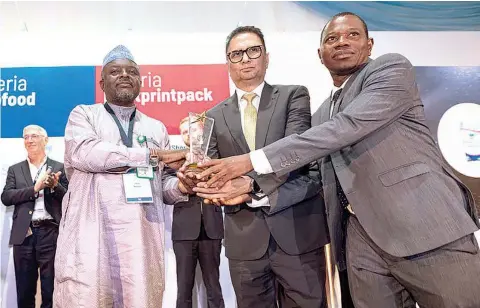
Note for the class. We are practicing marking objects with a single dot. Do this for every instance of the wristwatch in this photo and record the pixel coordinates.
(153, 159)
(256, 192)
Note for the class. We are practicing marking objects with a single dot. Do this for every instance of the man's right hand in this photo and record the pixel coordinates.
(187, 184)
(169, 156)
(231, 190)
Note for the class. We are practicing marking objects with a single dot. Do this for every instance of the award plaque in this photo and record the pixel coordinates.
(200, 129)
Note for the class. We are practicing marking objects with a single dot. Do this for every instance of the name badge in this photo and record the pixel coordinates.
(145, 172)
(137, 190)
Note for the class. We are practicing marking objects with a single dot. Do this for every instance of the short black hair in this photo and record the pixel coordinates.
(245, 29)
(345, 14)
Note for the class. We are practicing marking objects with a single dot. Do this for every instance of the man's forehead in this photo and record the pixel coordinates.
(244, 40)
(32, 131)
(121, 63)
(344, 22)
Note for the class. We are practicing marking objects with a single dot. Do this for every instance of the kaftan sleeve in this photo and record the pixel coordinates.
(87, 152)
(171, 193)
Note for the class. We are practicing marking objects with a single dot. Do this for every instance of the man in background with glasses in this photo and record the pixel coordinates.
(35, 187)
(266, 246)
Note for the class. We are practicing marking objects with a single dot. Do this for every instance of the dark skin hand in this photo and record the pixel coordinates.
(219, 171)
(172, 158)
(234, 192)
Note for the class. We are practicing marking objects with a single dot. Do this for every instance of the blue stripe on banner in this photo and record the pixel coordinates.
(140, 199)
(405, 16)
(44, 96)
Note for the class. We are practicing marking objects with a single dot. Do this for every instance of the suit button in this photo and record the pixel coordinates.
(30, 212)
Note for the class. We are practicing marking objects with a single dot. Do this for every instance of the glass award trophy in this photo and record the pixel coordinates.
(200, 129)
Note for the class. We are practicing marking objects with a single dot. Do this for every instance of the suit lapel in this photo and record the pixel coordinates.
(268, 101)
(346, 87)
(231, 113)
(26, 173)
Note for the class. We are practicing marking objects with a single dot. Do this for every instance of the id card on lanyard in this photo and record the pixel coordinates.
(138, 189)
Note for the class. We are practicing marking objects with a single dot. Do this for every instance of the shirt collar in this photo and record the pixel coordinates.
(335, 89)
(41, 164)
(258, 90)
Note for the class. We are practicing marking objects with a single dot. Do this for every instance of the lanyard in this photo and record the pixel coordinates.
(127, 140)
(38, 172)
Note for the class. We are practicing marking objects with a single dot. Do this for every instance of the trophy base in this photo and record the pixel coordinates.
(193, 168)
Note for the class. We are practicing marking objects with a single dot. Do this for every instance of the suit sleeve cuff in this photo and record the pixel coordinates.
(260, 162)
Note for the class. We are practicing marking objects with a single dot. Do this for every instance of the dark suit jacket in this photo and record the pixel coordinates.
(187, 217)
(296, 218)
(378, 143)
(19, 191)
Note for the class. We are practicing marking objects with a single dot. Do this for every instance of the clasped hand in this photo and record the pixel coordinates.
(48, 179)
(232, 192)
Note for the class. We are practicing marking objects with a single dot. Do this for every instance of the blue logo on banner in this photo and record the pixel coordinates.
(44, 96)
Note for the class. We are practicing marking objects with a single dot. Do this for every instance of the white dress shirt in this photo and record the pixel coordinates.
(242, 103)
(39, 212)
(259, 160)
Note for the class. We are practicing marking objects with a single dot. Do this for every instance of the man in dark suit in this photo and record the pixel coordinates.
(197, 233)
(35, 187)
(276, 237)
(407, 220)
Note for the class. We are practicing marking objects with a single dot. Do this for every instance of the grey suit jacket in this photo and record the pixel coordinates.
(296, 218)
(377, 142)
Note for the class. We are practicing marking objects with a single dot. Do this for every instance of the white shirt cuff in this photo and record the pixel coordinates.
(260, 162)
(259, 203)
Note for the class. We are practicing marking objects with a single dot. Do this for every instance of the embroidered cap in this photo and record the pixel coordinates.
(119, 52)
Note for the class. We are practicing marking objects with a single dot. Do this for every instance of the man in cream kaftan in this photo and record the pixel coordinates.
(111, 253)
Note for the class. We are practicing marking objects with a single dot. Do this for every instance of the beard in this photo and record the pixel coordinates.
(125, 97)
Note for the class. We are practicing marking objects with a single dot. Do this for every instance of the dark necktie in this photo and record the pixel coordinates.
(334, 101)
(340, 194)
(336, 95)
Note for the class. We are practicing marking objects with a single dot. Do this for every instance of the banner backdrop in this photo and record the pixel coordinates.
(169, 92)
(441, 89)
(46, 95)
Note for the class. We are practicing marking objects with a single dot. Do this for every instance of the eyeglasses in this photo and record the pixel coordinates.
(253, 52)
(32, 136)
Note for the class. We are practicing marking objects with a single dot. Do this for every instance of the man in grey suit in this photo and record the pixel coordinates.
(277, 238)
(197, 233)
(400, 222)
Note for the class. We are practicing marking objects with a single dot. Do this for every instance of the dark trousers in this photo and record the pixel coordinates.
(207, 252)
(346, 299)
(446, 277)
(301, 279)
(36, 252)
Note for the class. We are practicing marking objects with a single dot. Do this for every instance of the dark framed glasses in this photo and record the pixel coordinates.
(252, 52)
